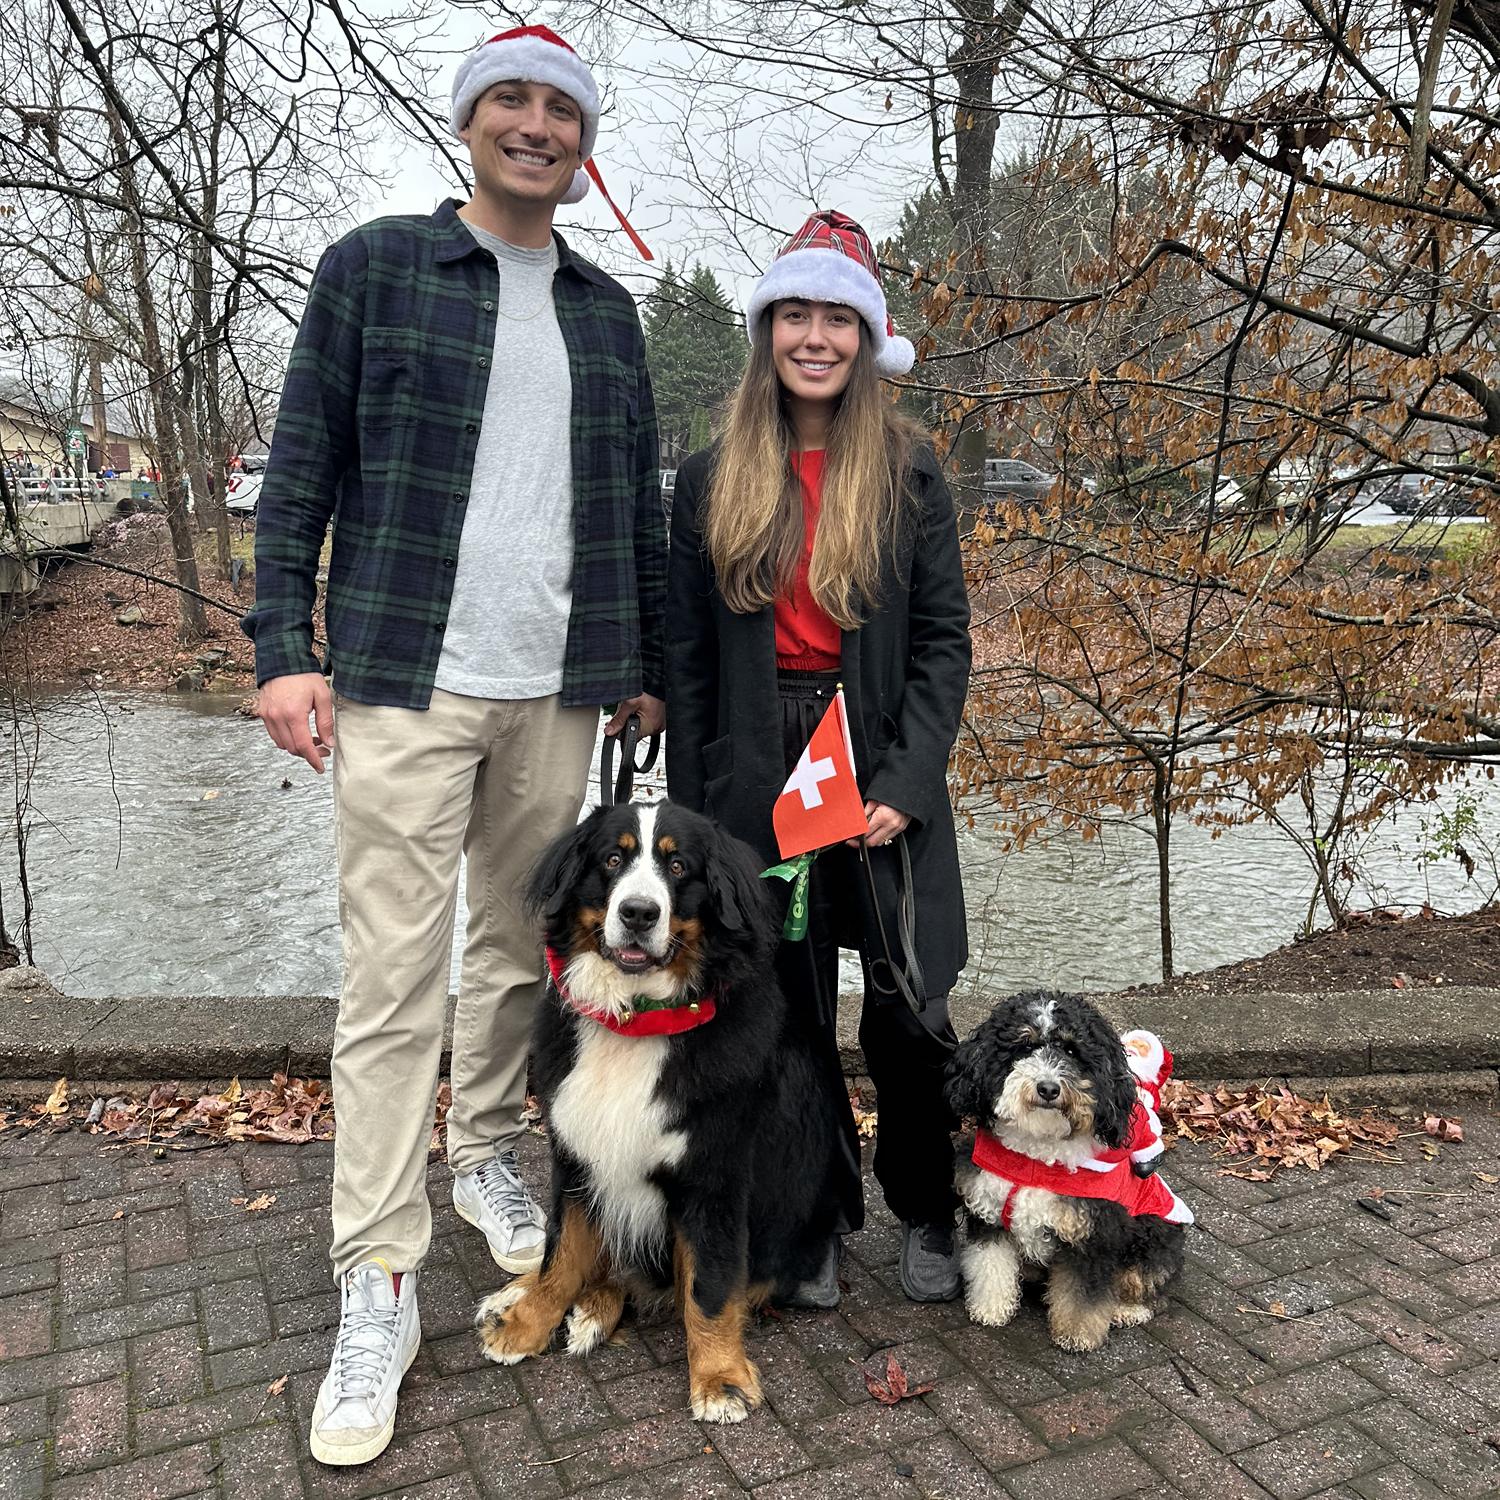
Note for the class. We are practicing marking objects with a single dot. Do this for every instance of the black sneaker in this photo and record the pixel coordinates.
(819, 1292)
(929, 1266)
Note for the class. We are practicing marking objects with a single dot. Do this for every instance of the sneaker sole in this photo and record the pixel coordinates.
(345, 1455)
(912, 1295)
(517, 1265)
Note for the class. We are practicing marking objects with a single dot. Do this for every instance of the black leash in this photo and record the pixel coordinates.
(614, 787)
(907, 978)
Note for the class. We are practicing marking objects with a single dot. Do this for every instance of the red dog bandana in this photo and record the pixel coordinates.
(646, 1017)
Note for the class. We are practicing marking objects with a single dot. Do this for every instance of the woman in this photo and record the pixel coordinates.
(816, 544)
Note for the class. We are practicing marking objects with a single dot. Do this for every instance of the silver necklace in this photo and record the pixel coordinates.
(542, 306)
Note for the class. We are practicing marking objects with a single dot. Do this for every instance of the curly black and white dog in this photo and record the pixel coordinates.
(679, 1107)
(1052, 1188)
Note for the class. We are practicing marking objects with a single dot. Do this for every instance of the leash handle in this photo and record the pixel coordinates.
(615, 787)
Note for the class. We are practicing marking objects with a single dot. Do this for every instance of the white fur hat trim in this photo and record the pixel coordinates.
(823, 275)
(528, 59)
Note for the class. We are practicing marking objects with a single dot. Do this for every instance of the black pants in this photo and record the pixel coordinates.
(905, 1053)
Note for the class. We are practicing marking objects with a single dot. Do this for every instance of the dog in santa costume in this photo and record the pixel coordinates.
(1063, 1179)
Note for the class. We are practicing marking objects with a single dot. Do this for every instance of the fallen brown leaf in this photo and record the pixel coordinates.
(277, 1386)
(255, 1205)
(895, 1387)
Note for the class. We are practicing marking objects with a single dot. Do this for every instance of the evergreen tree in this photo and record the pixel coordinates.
(695, 345)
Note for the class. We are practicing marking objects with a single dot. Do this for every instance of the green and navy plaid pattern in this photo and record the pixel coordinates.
(376, 432)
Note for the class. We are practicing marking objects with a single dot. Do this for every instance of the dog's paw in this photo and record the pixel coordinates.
(718, 1401)
(992, 1282)
(990, 1310)
(503, 1337)
(585, 1331)
(1131, 1315)
(1080, 1340)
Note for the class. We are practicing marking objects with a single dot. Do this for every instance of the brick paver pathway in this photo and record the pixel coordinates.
(143, 1316)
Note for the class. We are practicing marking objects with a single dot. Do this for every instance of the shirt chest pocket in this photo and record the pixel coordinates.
(620, 400)
(391, 375)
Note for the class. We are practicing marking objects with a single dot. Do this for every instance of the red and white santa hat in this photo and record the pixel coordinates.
(830, 259)
(530, 54)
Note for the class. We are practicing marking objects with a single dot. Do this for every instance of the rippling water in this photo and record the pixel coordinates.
(166, 857)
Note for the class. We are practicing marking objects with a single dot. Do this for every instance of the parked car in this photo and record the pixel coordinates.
(1011, 479)
(243, 493)
(1421, 495)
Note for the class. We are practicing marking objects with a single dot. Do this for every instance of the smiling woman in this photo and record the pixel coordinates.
(816, 545)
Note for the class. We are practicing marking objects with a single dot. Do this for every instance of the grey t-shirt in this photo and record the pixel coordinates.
(512, 593)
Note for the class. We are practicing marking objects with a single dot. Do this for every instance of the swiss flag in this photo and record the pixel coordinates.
(820, 803)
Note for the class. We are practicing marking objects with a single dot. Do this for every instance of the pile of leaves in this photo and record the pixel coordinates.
(293, 1110)
(1273, 1128)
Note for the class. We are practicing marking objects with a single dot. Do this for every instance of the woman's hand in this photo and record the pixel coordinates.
(885, 823)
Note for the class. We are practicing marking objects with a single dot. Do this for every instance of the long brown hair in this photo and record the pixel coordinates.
(753, 521)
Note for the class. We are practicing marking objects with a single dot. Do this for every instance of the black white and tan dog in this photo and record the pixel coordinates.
(1063, 1181)
(679, 1108)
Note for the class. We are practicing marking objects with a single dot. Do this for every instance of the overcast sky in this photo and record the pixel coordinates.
(652, 104)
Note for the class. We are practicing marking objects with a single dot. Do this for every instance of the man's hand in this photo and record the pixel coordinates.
(653, 714)
(885, 823)
(286, 703)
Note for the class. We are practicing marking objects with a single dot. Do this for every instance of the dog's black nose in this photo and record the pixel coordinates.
(1048, 1092)
(637, 914)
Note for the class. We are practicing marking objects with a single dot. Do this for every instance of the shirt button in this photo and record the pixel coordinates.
(460, 496)
(488, 306)
(447, 562)
(484, 364)
(471, 427)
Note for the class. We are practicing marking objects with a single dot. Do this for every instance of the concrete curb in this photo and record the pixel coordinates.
(1330, 1036)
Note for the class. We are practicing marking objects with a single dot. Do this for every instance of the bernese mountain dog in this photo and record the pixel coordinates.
(680, 1106)
(1063, 1179)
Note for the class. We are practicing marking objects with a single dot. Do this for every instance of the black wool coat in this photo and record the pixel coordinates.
(905, 673)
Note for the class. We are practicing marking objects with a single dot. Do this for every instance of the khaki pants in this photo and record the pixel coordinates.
(495, 780)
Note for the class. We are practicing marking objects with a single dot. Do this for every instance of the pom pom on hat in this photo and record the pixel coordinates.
(830, 259)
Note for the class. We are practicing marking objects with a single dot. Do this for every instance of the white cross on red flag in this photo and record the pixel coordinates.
(821, 804)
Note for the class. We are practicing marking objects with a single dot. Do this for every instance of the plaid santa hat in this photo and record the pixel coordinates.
(537, 54)
(830, 259)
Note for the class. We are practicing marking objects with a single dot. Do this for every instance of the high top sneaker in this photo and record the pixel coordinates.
(379, 1334)
(495, 1200)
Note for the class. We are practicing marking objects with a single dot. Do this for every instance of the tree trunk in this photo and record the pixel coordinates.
(1161, 819)
(193, 622)
(986, 31)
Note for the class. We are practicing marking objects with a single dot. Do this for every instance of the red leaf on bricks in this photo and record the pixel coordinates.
(895, 1387)
(1443, 1128)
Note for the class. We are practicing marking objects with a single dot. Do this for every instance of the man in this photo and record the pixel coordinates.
(468, 400)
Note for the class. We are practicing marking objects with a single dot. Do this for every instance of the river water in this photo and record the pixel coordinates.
(167, 857)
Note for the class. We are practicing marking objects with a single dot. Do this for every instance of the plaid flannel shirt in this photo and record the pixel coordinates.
(376, 431)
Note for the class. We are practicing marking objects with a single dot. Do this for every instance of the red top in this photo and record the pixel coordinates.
(806, 639)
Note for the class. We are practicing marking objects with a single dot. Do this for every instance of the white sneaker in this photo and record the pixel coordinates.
(379, 1335)
(495, 1200)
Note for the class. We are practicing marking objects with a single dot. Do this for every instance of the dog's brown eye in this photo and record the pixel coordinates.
(677, 867)
(614, 861)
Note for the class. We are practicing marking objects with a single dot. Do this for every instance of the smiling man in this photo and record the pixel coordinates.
(467, 400)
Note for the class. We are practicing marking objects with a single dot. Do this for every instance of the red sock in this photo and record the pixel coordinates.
(396, 1280)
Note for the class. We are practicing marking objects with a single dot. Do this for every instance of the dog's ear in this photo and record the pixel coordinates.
(558, 870)
(971, 1081)
(734, 883)
(1115, 1095)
